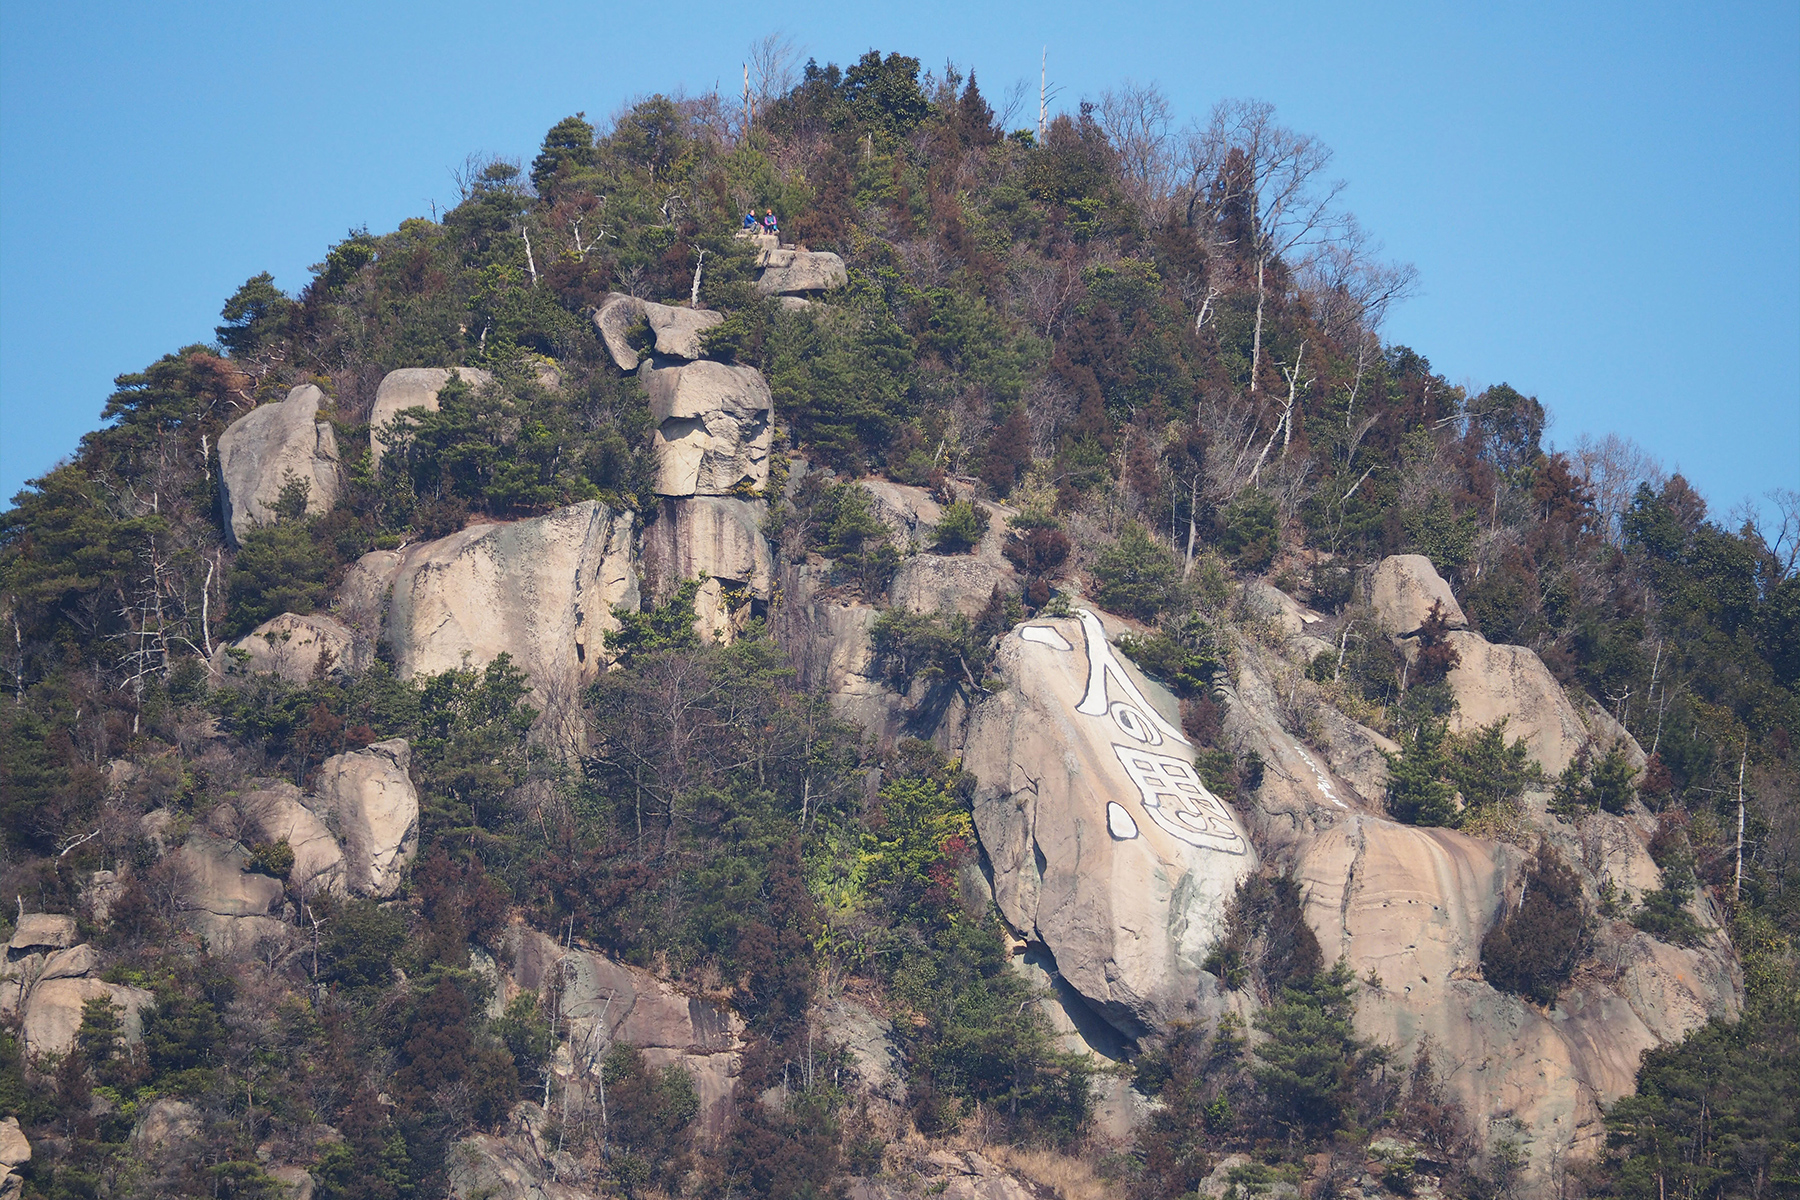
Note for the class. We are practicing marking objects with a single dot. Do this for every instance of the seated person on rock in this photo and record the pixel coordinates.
(770, 226)
(750, 221)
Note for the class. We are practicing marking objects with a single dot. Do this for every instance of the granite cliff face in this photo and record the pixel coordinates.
(264, 449)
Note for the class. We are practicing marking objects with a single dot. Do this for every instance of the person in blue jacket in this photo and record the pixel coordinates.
(750, 218)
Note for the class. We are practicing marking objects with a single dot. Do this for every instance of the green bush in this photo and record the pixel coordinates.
(1418, 792)
(1136, 575)
(1252, 531)
(1489, 770)
(961, 527)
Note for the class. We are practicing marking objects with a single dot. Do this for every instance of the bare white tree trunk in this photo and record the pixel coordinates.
(530, 262)
(1737, 885)
(694, 296)
(1256, 343)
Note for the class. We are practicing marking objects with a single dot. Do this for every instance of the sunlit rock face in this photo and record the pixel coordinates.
(1106, 847)
(261, 450)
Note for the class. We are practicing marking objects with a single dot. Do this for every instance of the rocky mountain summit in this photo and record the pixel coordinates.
(1113, 863)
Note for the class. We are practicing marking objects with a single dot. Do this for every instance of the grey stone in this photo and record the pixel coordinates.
(1402, 589)
(261, 449)
(41, 931)
(713, 429)
(788, 272)
(15, 1148)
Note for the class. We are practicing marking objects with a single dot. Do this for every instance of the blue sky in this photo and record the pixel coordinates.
(1603, 200)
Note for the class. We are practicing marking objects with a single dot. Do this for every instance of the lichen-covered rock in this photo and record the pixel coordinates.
(278, 813)
(290, 646)
(830, 640)
(1106, 846)
(789, 272)
(375, 807)
(713, 429)
(413, 387)
(42, 931)
(165, 1123)
(541, 591)
(262, 448)
(1402, 589)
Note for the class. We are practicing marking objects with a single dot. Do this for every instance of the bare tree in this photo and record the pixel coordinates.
(1613, 467)
(1243, 161)
(1136, 118)
(1349, 287)
(770, 70)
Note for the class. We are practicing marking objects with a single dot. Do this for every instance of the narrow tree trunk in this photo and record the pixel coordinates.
(1256, 343)
(1737, 885)
(530, 262)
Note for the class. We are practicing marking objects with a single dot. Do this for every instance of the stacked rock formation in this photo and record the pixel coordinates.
(262, 450)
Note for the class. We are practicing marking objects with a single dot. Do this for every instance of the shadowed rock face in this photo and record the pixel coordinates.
(413, 387)
(1105, 845)
(259, 450)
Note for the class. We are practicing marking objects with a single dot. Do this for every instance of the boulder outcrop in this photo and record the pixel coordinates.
(719, 537)
(260, 450)
(792, 272)
(290, 646)
(713, 429)
(1491, 682)
(228, 905)
(1402, 589)
(41, 931)
(1107, 848)
(376, 809)
(279, 813)
(676, 330)
(51, 1011)
(541, 591)
(15, 1148)
(606, 1002)
(413, 387)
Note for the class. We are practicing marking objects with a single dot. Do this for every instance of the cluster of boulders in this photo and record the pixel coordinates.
(47, 978)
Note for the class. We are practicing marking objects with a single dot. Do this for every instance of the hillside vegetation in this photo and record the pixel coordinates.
(1160, 345)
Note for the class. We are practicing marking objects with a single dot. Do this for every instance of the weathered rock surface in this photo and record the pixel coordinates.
(790, 272)
(231, 907)
(718, 536)
(376, 809)
(1409, 906)
(541, 591)
(413, 387)
(829, 638)
(518, 1166)
(291, 646)
(52, 1011)
(1106, 847)
(606, 1002)
(15, 1148)
(165, 1123)
(713, 428)
(869, 1039)
(952, 1174)
(677, 330)
(1299, 627)
(42, 931)
(1402, 589)
(259, 450)
(279, 813)
(1491, 682)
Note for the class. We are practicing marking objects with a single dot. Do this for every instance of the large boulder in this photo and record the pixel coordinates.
(541, 591)
(376, 809)
(14, 1147)
(41, 931)
(230, 906)
(52, 1011)
(1492, 682)
(278, 812)
(1402, 589)
(791, 272)
(713, 427)
(291, 646)
(605, 1002)
(676, 330)
(413, 387)
(1107, 849)
(260, 450)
